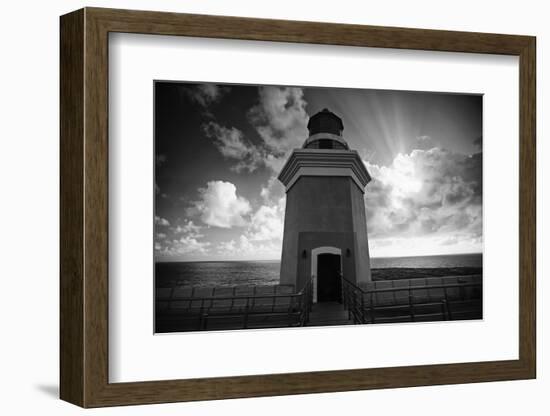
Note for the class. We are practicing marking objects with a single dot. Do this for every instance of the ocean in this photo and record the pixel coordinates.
(429, 262)
(235, 273)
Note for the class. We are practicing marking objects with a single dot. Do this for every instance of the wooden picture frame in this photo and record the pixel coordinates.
(84, 207)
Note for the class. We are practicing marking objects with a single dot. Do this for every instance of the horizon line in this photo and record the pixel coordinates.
(250, 260)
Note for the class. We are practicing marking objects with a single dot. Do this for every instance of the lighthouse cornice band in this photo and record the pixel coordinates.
(321, 162)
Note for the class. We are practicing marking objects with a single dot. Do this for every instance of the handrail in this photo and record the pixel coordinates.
(297, 307)
(362, 313)
(410, 287)
(426, 287)
(207, 298)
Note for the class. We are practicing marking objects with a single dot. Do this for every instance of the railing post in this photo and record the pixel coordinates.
(307, 306)
(411, 306)
(190, 303)
(351, 300)
(245, 323)
(444, 310)
(170, 299)
(201, 313)
(372, 311)
(347, 303)
(311, 294)
(447, 305)
(363, 320)
(342, 289)
(344, 292)
(302, 307)
(289, 310)
(232, 298)
(356, 306)
(309, 300)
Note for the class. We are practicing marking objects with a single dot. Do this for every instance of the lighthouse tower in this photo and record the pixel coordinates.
(325, 231)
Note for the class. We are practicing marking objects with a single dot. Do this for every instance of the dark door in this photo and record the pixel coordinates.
(328, 278)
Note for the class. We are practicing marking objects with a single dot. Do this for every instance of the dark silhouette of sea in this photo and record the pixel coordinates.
(236, 273)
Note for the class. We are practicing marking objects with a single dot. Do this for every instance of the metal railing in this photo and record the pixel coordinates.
(363, 305)
(194, 313)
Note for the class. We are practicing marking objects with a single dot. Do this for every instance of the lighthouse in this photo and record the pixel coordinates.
(325, 230)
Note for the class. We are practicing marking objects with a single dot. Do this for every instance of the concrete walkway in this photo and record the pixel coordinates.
(328, 313)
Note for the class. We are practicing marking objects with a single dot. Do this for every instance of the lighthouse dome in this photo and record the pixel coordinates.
(325, 131)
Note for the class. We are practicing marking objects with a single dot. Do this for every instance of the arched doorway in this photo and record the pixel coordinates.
(326, 269)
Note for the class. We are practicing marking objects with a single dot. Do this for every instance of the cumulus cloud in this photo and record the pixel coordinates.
(262, 236)
(425, 201)
(267, 223)
(189, 228)
(273, 191)
(432, 193)
(179, 247)
(220, 206)
(242, 248)
(232, 145)
(189, 244)
(186, 239)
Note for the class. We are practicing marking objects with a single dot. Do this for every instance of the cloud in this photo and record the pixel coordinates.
(280, 119)
(424, 245)
(189, 244)
(432, 193)
(219, 205)
(232, 145)
(206, 94)
(273, 191)
(262, 237)
(242, 248)
(267, 223)
(185, 240)
(189, 228)
(161, 221)
(178, 247)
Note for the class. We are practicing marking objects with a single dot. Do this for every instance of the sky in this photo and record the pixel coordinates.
(220, 147)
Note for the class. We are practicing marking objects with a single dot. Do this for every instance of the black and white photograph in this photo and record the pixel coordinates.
(275, 208)
(293, 206)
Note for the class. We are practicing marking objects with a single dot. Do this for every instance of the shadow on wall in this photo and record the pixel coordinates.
(51, 390)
